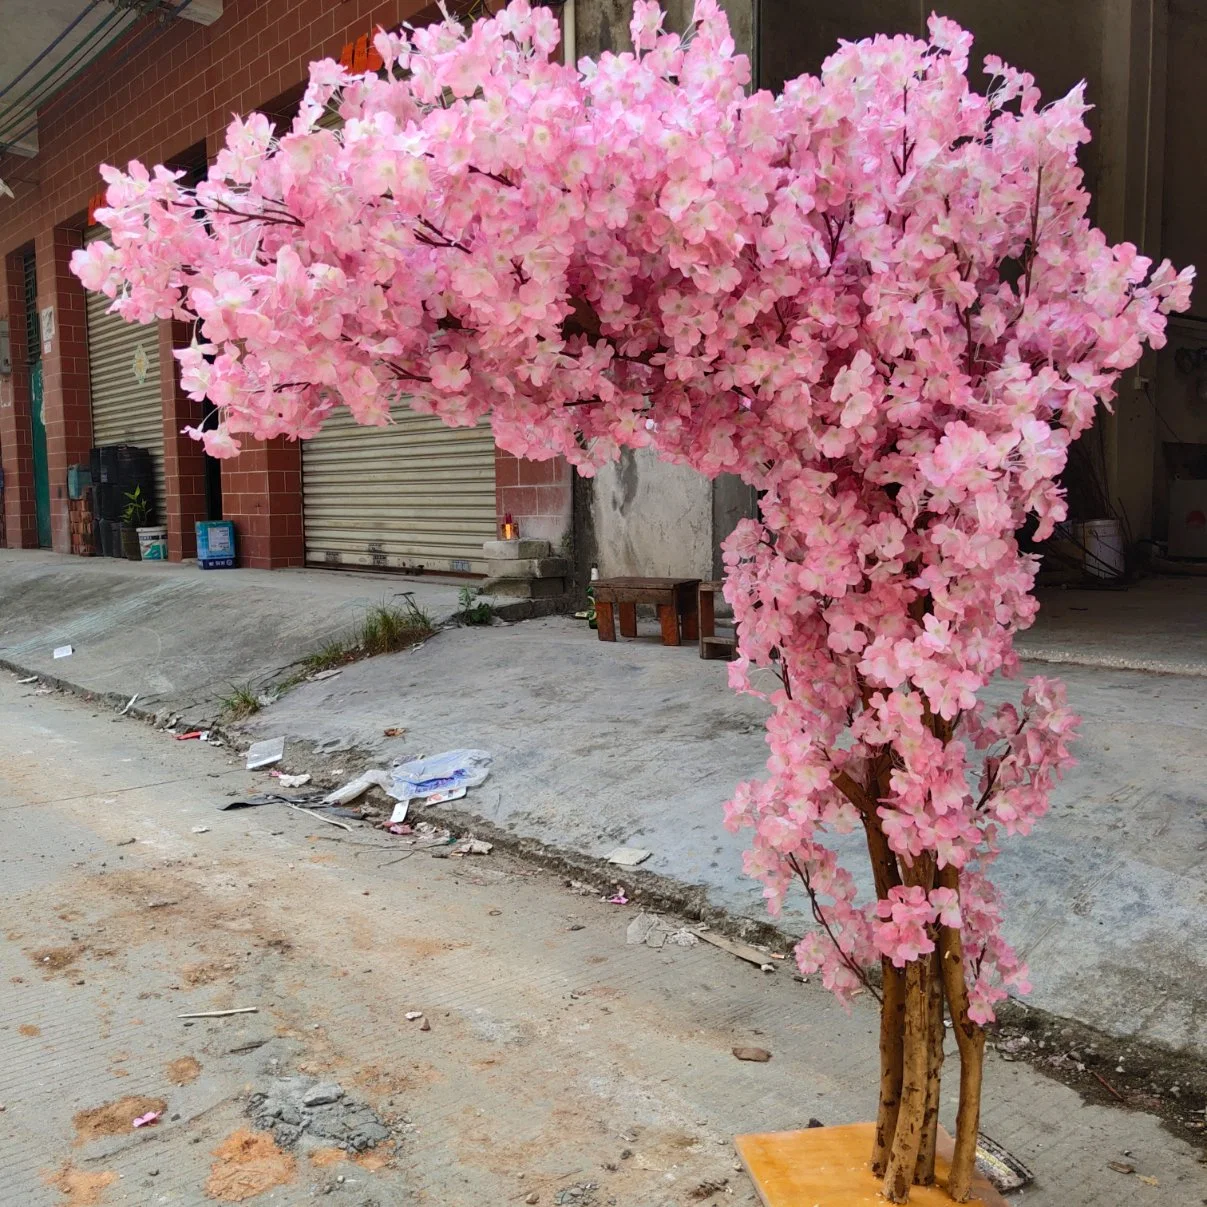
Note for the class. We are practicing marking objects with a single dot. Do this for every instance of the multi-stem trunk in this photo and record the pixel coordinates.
(970, 1037)
(907, 1140)
(925, 1173)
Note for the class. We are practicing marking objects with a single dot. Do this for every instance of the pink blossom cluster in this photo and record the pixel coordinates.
(877, 297)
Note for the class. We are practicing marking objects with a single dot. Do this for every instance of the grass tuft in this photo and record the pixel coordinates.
(242, 702)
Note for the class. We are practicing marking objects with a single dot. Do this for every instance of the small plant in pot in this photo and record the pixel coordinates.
(136, 515)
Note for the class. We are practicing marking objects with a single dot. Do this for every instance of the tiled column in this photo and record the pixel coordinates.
(183, 457)
(536, 494)
(66, 403)
(262, 493)
(16, 438)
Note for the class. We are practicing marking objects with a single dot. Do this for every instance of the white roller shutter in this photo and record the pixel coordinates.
(123, 373)
(413, 494)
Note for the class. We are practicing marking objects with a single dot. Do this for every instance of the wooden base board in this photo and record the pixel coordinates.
(828, 1167)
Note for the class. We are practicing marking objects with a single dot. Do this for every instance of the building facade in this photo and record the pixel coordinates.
(416, 495)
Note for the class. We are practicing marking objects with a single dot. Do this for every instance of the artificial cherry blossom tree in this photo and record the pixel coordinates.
(876, 297)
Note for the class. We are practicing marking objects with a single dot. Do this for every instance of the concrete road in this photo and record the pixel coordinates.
(560, 1063)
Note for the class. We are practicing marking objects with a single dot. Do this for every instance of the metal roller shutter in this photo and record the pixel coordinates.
(123, 372)
(416, 493)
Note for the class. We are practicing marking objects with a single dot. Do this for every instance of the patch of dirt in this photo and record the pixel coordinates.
(373, 1160)
(29, 1029)
(183, 1070)
(1108, 1071)
(322, 1157)
(114, 1118)
(81, 1188)
(206, 974)
(248, 1163)
(54, 959)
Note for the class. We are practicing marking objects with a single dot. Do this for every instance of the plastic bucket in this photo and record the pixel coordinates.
(153, 543)
(1103, 540)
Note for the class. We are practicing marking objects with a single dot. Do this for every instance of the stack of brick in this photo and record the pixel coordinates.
(79, 514)
(524, 569)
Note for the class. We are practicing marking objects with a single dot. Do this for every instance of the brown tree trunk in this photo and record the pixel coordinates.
(907, 1140)
(886, 874)
(971, 1040)
(925, 1174)
(892, 1030)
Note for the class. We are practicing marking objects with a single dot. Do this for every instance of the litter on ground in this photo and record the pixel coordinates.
(628, 857)
(265, 753)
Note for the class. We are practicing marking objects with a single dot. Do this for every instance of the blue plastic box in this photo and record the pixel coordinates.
(216, 544)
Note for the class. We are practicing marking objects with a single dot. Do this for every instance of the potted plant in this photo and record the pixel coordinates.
(134, 517)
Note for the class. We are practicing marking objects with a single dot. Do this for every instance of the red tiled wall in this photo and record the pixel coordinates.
(536, 494)
(262, 493)
(16, 437)
(179, 88)
(183, 457)
(68, 407)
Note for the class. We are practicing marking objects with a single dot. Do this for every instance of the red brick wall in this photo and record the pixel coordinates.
(178, 88)
(16, 437)
(538, 495)
(64, 372)
(262, 493)
(183, 458)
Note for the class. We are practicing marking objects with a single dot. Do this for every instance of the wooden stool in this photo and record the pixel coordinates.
(712, 646)
(675, 599)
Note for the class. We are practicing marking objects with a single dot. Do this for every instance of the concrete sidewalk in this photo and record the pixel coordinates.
(597, 745)
(180, 636)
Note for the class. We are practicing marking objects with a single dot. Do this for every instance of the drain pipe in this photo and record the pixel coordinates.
(569, 34)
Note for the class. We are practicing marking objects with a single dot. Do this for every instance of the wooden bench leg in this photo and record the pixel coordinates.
(706, 619)
(605, 622)
(689, 613)
(628, 619)
(668, 618)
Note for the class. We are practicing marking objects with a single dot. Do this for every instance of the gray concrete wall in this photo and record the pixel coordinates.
(652, 518)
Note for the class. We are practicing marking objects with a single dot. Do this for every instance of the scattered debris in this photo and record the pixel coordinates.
(265, 699)
(322, 1111)
(628, 857)
(221, 1013)
(618, 897)
(532, 1197)
(358, 787)
(654, 932)
(319, 676)
(146, 1120)
(201, 829)
(394, 731)
(126, 842)
(743, 951)
(683, 937)
(115, 1118)
(473, 846)
(291, 781)
(440, 773)
(265, 753)
(1140, 1177)
(707, 1189)
(1107, 1085)
(190, 736)
(63, 651)
(31, 679)
(162, 902)
(248, 1163)
(1004, 1170)
(269, 798)
(1121, 1166)
(425, 1025)
(412, 1015)
(331, 821)
(581, 1194)
(757, 1055)
(250, 1046)
(129, 705)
